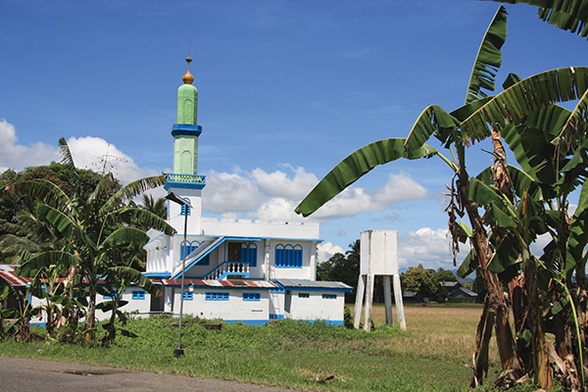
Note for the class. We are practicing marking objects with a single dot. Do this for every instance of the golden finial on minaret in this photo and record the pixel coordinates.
(188, 78)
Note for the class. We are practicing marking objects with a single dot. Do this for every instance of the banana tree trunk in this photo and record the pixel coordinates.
(523, 288)
(495, 312)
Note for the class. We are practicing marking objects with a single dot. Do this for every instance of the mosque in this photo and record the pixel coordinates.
(235, 270)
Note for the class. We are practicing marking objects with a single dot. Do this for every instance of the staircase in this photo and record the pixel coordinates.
(233, 269)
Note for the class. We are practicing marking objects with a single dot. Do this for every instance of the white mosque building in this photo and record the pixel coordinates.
(235, 270)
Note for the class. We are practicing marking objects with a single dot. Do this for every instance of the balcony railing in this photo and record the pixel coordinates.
(229, 268)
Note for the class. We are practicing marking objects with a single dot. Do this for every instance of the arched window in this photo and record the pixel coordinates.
(192, 246)
(249, 254)
(288, 256)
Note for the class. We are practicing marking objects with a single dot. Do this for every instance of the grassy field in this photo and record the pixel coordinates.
(432, 355)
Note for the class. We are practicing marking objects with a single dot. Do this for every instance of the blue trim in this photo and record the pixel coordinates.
(138, 295)
(187, 185)
(292, 239)
(186, 130)
(157, 275)
(251, 296)
(38, 324)
(248, 322)
(223, 240)
(280, 289)
(288, 256)
(301, 288)
(329, 323)
(274, 316)
(216, 296)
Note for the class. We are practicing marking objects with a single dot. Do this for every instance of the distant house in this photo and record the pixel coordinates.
(456, 291)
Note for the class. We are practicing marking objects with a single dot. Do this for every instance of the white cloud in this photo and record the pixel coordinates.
(17, 156)
(274, 195)
(328, 249)
(230, 192)
(354, 201)
(427, 246)
(88, 152)
(279, 184)
(100, 156)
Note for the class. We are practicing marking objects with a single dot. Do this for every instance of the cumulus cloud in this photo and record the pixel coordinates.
(98, 155)
(263, 195)
(354, 201)
(88, 152)
(327, 250)
(427, 246)
(17, 156)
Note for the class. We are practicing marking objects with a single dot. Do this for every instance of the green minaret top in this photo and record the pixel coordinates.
(187, 111)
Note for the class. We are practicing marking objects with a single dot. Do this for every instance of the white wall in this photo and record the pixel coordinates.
(235, 309)
(315, 307)
(248, 228)
(142, 306)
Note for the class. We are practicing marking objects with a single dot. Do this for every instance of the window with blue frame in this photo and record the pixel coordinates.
(249, 254)
(329, 296)
(185, 209)
(288, 256)
(251, 296)
(188, 296)
(217, 296)
(191, 247)
(138, 294)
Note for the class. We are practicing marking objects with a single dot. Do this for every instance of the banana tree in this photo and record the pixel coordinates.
(456, 131)
(570, 15)
(95, 228)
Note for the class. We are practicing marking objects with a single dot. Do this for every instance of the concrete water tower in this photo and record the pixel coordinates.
(378, 256)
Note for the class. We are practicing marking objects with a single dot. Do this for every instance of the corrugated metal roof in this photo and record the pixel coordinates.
(7, 273)
(313, 284)
(233, 283)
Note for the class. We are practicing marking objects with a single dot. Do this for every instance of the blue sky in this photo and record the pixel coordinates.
(287, 90)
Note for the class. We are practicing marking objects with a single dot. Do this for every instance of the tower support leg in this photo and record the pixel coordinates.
(388, 299)
(399, 304)
(359, 300)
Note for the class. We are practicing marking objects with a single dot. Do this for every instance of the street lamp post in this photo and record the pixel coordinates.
(179, 351)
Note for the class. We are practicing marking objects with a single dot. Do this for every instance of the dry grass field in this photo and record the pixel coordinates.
(435, 329)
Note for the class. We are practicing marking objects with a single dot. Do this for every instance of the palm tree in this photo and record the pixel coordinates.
(157, 206)
(96, 229)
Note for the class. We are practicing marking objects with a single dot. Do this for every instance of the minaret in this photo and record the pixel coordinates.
(185, 181)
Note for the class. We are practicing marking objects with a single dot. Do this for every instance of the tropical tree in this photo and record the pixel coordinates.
(342, 268)
(156, 206)
(503, 227)
(96, 229)
(570, 15)
(424, 282)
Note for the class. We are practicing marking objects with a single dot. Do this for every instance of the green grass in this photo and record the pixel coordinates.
(431, 356)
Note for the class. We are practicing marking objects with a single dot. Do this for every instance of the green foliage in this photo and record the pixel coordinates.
(424, 282)
(83, 231)
(342, 268)
(569, 15)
